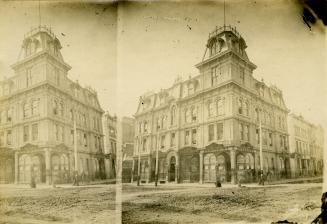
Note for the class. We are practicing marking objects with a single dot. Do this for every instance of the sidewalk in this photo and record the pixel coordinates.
(98, 183)
(229, 185)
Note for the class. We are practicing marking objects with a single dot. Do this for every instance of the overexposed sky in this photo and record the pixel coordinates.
(87, 33)
(159, 41)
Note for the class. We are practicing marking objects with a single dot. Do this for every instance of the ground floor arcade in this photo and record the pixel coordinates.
(215, 162)
(50, 165)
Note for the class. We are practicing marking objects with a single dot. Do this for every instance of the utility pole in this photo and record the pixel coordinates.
(76, 182)
(157, 159)
(138, 164)
(260, 145)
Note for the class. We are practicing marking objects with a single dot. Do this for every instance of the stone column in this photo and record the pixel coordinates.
(47, 167)
(149, 170)
(233, 165)
(177, 169)
(132, 175)
(16, 168)
(201, 167)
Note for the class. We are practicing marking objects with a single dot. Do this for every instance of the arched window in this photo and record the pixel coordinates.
(26, 110)
(249, 161)
(188, 115)
(35, 107)
(240, 162)
(220, 106)
(194, 113)
(257, 115)
(240, 106)
(64, 162)
(163, 121)
(172, 115)
(209, 162)
(246, 108)
(211, 108)
(221, 162)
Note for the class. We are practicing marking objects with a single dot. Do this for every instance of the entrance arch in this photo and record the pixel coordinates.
(172, 169)
(209, 162)
(24, 169)
(36, 168)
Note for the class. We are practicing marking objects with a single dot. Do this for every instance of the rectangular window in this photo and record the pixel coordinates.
(85, 140)
(240, 106)
(9, 137)
(57, 132)
(220, 131)
(270, 139)
(240, 127)
(28, 77)
(72, 136)
(35, 132)
(95, 141)
(9, 115)
(26, 133)
(214, 75)
(2, 139)
(194, 136)
(172, 139)
(264, 138)
(220, 107)
(242, 75)
(162, 143)
(211, 132)
(187, 137)
(246, 133)
(257, 135)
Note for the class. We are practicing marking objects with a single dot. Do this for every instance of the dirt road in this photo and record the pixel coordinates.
(294, 202)
(93, 204)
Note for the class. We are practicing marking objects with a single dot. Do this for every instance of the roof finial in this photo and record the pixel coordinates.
(224, 15)
(39, 13)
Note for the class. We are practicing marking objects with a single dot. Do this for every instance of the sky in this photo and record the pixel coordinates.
(145, 46)
(87, 33)
(159, 41)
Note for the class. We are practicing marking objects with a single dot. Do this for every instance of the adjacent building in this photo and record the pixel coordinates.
(45, 117)
(110, 143)
(306, 142)
(128, 132)
(207, 126)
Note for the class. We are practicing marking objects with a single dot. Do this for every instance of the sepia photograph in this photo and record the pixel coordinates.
(142, 112)
(57, 103)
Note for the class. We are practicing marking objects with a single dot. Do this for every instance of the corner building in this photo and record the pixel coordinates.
(38, 107)
(207, 127)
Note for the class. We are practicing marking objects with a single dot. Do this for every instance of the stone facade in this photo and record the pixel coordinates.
(306, 147)
(38, 108)
(207, 127)
(110, 143)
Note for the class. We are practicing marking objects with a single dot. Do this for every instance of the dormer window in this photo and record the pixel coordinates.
(213, 48)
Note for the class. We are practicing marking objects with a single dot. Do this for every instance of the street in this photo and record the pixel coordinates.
(64, 204)
(229, 204)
